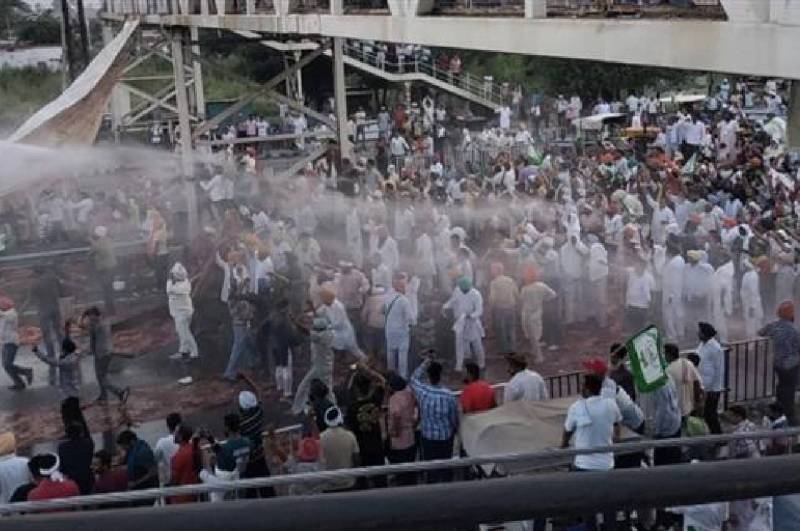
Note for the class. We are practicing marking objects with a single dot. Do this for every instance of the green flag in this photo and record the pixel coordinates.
(691, 166)
(647, 359)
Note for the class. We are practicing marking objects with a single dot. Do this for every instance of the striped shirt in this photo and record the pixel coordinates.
(252, 426)
(438, 408)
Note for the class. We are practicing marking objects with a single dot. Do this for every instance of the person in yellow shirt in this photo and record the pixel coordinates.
(503, 295)
(532, 298)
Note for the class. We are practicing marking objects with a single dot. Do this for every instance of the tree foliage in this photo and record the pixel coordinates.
(40, 30)
(588, 79)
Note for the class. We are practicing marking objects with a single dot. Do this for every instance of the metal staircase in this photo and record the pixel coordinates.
(466, 86)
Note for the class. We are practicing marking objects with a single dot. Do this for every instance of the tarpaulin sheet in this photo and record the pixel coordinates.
(519, 427)
(75, 116)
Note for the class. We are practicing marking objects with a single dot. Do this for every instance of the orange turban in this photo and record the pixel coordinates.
(786, 310)
(496, 269)
(530, 274)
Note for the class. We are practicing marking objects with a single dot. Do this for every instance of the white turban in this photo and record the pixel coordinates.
(100, 231)
(247, 400)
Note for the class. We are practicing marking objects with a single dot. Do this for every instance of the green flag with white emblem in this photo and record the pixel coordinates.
(647, 359)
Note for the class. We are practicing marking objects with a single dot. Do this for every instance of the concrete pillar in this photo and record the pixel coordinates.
(410, 8)
(340, 97)
(793, 123)
(187, 164)
(535, 8)
(337, 7)
(204, 7)
(199, 91)
(120, 104)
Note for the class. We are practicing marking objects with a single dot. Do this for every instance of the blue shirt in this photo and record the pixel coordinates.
(438, 408)
(712, 365)
(785, 343)
(139, 460)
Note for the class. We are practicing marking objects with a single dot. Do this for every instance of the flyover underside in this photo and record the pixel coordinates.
(762, 49)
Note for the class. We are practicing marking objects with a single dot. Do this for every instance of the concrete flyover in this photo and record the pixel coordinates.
(749, 46)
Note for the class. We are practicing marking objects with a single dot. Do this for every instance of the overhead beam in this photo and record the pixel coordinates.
(242, 103)
(762, 49)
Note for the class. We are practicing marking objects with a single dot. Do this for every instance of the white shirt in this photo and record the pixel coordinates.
(598, 262)
(505, 118)
(426, 264)
(215, 188)
(707, 517)
(13, 473)
(712, 365)
(639, 289)
(592, 420)
(525, 385)
(164, 450)
(695, 133)
(179, 295)
(399, 146)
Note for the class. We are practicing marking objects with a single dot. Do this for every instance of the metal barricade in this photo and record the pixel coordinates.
(749, 371)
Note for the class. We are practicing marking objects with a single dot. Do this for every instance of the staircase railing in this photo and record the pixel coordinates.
(481, 88)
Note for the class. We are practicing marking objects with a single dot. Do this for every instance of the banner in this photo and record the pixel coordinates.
(647, 359)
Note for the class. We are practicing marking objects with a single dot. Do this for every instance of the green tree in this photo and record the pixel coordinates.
(11, 13)
(40, 30)
(588, 79)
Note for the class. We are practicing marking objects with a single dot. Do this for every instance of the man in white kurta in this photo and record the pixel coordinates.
(672, 295)
(467, 306)
(425, 262)
(752, 307)
(399, 317)
(386, 247)
(722, 299)
(344, 336)
(355, 240)
(572, 255)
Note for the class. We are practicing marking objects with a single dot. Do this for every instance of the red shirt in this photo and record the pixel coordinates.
(115, 480)
(477, 396)
(183, 472)
(50, 490)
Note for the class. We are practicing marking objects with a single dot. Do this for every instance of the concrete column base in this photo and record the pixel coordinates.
(410, 8)
(535, 8)
(747, 10)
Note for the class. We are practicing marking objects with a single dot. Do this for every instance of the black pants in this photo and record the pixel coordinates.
(258, 468)
(785, 391)
(433, 450)
(407, 455)
(105, 277)
(710, 412)
(671, 455)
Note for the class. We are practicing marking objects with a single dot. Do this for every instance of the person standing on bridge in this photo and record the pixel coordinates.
(786, 345)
